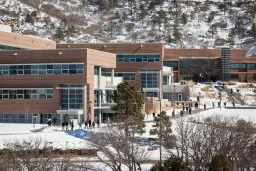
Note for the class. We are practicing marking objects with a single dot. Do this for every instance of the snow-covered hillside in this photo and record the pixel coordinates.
(178, 23)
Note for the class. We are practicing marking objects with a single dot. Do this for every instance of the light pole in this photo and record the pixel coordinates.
(220, 98)
(160, 132)
(33, 113)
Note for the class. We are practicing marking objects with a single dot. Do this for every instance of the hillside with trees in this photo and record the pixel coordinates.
(178, 23)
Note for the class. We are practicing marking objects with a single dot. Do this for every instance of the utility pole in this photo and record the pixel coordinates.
(160, 146)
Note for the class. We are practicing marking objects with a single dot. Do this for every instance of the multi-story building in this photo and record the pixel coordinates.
(42, 80)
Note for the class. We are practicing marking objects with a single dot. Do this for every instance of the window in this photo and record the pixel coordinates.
(252, 66)
(17, 93)
(96, 70)
(149, 79)
(138, 58)
(238, 66)
(6, 47)
(71, 96)
(173, 64)
(165, 80)
(126, 75)
(109, 96)
(41, 69)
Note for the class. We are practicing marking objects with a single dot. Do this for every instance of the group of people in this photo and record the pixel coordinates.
(65, 125)
(90, 124)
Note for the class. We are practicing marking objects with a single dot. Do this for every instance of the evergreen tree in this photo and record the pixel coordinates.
(163, 130)
(176, 33)
(29, 19)
(128, 107)
(184, 18)
(213, 30)
(176, 164)
(59, 34)
(231, 40)
(220, 162)
(254, 30)
(172, 164)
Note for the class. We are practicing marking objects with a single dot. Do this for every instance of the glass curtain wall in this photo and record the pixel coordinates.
(71, 96)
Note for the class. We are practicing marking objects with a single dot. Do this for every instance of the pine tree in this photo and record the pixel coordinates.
(128, 107)
(59, 34)
(220, 162)
(163, 130)
(184, 18)
(254, 30)
(176, 33)
(213, 30)
(231, 40)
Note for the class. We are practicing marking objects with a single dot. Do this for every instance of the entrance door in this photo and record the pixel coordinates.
(179, 97)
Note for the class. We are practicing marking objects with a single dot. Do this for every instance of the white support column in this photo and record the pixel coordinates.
(99, 78)
(161, 84)
(85, 106)
(112, 76)
(100, 116)
(100, 94)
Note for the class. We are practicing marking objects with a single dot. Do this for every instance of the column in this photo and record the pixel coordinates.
(100, 116)
(85, 102)
(99, 78)
(112, 76)
(161, 84)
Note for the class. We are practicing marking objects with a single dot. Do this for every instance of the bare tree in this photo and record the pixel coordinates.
(37, 155)
(119, 147)
(198, 142)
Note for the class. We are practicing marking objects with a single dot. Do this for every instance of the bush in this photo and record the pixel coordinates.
(171, 164)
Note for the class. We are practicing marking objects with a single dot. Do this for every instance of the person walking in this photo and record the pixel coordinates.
(153, 115)
(86, 124)
(72, 125)
(190, 110)
(90, 123)
(173, 113)
(93, 124)
(213, 105)
(181, 113)
(66, 124)
(80, 125)
(63, 125)
(49, 122)
(187, 108)
(98, 123)
(204, 106)
(218, 104)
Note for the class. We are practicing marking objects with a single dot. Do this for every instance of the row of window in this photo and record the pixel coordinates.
(16, 118)
(138, 58)
(6, 47)
(126, 75)
(238, 66)
(41, 69)
(31, 93)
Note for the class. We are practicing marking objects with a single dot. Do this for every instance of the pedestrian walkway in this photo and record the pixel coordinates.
(192, 112)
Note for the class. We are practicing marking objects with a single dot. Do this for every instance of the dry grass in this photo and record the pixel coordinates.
(206, 88)
(230, 83)
(247, 86)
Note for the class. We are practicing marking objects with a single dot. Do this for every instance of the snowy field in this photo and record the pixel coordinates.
(77, 139)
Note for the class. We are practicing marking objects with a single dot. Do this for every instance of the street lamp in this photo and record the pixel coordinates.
(160, 136)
